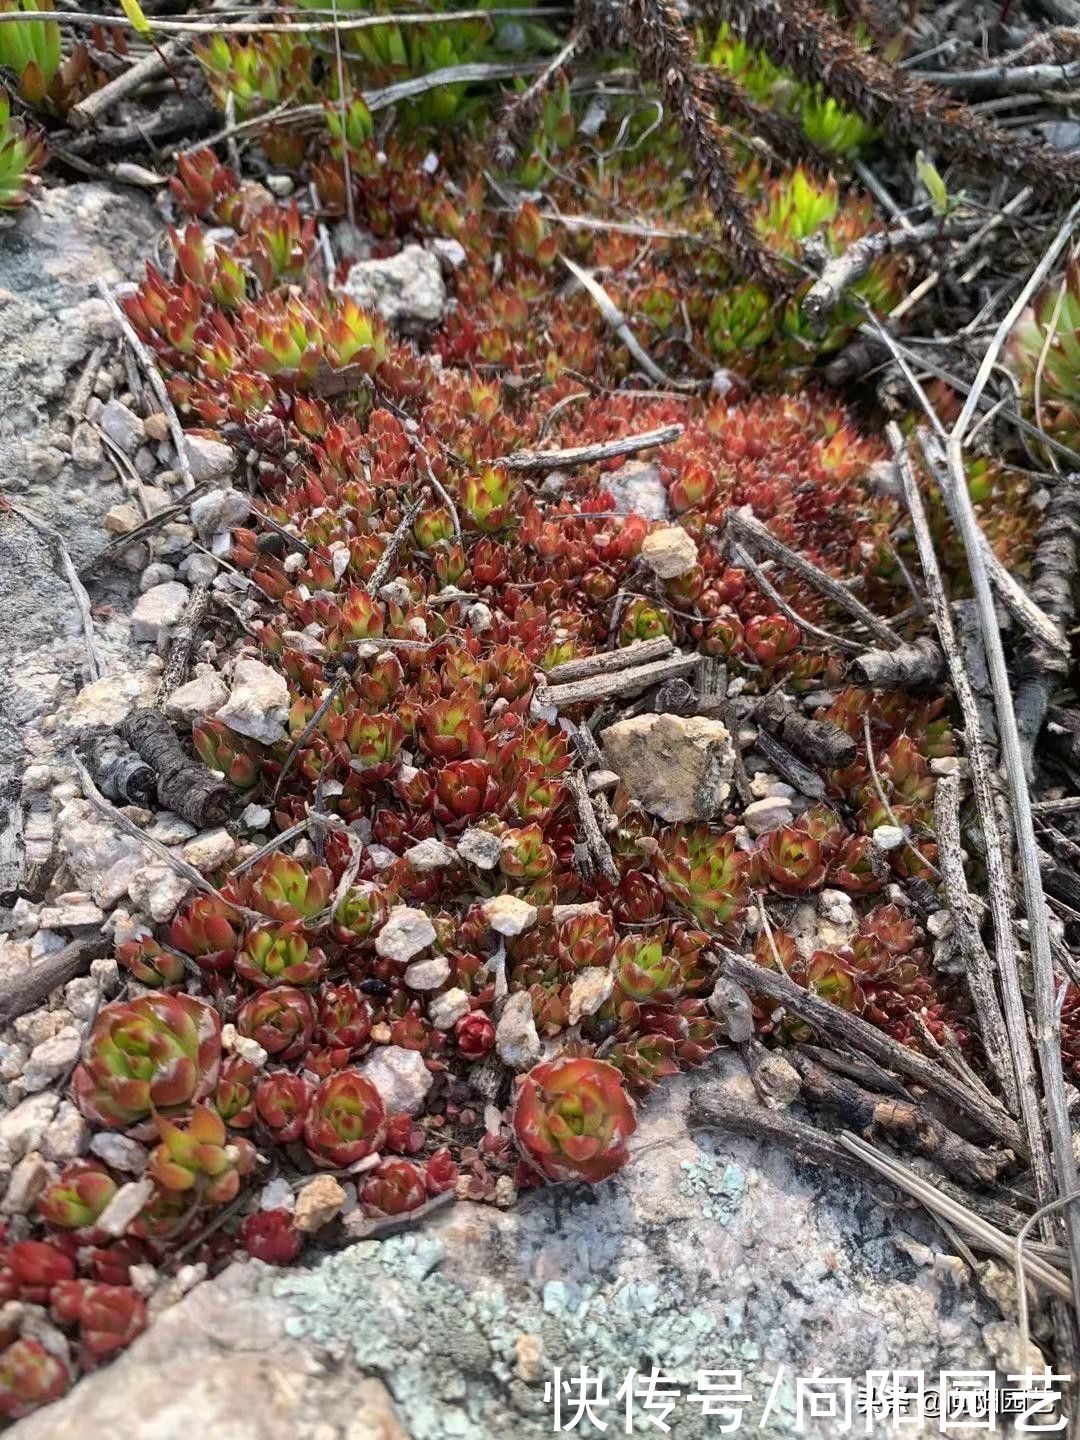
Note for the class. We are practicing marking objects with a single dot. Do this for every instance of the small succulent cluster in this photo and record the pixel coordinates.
(22, 154)
(256, 1022)
(1044, 354)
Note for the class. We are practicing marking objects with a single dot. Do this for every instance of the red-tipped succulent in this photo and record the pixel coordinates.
(77, 1198)
(394, 1188)
(281, 1019)
(270, 1236)
(158, 1052)
(108, 1317)
(30, 1376)
(346, 1120)
(572, 1118)
(279, 955)
(282, 1100)
(200, 1153)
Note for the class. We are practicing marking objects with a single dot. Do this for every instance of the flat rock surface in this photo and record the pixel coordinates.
(707, 1252)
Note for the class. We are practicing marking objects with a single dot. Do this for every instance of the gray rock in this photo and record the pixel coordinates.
(407, 931)
(406, 289)
(124, 1206)
(158, 889)
(156, 574)
(480, 848)
(51, 1058)
(122, 426)
(68, 1136)
(244, 1378)
(28, 1179)
(516, 1042)
(218, 511)
(209, 459)
(210, 849)
(119, 1152)
(158, 608)
(23, 1128)
(258, 703)
(678, 768)
(429, 855)
(201, 696)
(638, 489)
(400, 1076)
(760, 816)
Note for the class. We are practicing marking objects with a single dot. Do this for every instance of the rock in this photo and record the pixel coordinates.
(254, 817)
(888, 837)
(102, 858)
(218, 511)
(678, 768)
(244, 1378)
(122, 426)
(765, 786)
(258, 703)
(318, 1203)
(156, 574)
(507, 915)
(590, 989)
(669, 552)
(119, 1152)
(516, 1042)
(125, 1206)
(277, 1194)
(600, 780)
(480, 848)
(400, 1076)
(28, 1179)
(121, 519)
(209, 459)
(204, 695)
(68, 1135)
(67, 914)
(430, 855)
(760, 816)
(107, 701)
(406, 289)
(445, 1010)
(158, 889)
(23, 1128)
(637, 489)
(209, 850)
(158, 608)
(81, 997)
(451, 253)
(52, 1058)
(428, 974)
(836, 907)
(407, 931)
(170, 829)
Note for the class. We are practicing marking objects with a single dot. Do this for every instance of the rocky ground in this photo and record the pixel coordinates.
(705, 1253)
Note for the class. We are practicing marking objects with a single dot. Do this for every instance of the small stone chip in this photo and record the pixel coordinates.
(318, 1203)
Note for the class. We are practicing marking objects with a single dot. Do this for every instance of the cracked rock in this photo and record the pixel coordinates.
(400, 1076)
(258, 703)
(407, 931)
(158, 608)
(406, 289)
(204, 695)
(669, 552)
(516, 1041)
(676, 767)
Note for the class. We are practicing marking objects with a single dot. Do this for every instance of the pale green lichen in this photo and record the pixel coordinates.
(721, 1187)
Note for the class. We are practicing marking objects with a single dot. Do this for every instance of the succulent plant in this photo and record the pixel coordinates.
(108, 1317)
(475, 1035)
(643, 969)
(283, 1100)
(22, 153)
(77, 1198)
(279, 954)
(394, 1188)
(150, 963)
(1043, 352)
(270, 1236)
(791, 860)
(30, 1376)
(281, 1019)
(207, 929)
(572, 1118)
(703, 872)
(158, 1052)
(200, 1153)
(346, 1120)
(36, 1267)
(280, 888)
(234, 1095)
(219, 748)
(345, 1016)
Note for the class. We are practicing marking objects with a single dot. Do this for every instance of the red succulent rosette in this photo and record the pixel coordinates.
(75, 1201)
(345, 1016)
(394, 1188)
(475, 1035)
(270, 1236)
(283, 1100)
(281, 1019)
(158, 1052)
(572, 1118)
(30, 1376)
(108, 1316)
(346, 1121)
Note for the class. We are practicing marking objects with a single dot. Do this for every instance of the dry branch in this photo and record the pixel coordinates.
(151, 67)
(830, 1019)
(609, 662)
(816, 741)
(26, 989)
(590, 454)
(606, 687)
(902, 1120)
(908, 667)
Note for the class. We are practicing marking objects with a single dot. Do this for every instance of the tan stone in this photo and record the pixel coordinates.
(318, 1203)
